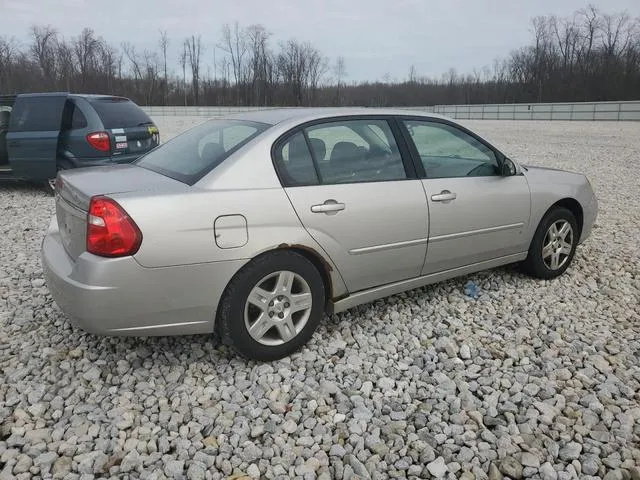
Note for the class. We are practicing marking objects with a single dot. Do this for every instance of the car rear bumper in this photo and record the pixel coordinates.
(120, 297)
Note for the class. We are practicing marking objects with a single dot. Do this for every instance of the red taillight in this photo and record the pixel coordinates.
(110, 230)
(100, 141)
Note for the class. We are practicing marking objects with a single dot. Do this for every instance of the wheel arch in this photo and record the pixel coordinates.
(574, 207)
(324, 268)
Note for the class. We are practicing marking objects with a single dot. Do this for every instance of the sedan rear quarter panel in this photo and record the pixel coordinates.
(179, 228)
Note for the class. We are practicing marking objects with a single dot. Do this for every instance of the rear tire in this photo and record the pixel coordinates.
(554, 244)
(272, 306)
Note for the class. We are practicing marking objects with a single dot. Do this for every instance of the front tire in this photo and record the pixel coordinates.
(272, 306)
(554, 244)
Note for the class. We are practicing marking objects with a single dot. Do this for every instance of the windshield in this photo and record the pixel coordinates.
(193, 154)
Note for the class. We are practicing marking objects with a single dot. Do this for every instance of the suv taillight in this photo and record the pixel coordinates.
(110, 230)
(100, 141)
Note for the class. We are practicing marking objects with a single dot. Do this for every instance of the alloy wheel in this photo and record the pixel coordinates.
(278, 308)
(557, 245)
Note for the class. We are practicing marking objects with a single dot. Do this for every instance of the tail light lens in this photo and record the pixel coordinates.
(110, 230)
(100, 141)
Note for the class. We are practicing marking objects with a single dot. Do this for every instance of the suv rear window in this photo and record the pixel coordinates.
(119, 112)
(191, 155)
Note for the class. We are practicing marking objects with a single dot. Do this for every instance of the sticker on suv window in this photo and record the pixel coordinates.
(121, 138)
(121, 145)
(117, 130)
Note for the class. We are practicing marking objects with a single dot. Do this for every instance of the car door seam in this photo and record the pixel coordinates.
(388, 246)
(304, 227)
(480, 231)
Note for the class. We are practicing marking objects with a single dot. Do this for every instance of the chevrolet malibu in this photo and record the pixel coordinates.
(253, 225)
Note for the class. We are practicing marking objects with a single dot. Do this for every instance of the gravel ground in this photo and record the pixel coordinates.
(531, 379)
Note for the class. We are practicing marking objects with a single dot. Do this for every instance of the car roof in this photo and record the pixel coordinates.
(88, 96)
(95, 96)
(274, 116)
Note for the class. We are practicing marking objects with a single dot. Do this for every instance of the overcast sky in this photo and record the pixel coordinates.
(376, 37)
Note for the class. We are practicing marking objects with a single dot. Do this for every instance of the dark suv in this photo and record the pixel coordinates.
(42, 133)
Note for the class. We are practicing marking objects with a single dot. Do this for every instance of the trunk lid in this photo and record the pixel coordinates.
(74, 189)
(134, 140)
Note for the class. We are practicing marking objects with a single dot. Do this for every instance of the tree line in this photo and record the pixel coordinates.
(588, 56)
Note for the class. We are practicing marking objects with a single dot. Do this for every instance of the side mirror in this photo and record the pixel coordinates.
(508, 168)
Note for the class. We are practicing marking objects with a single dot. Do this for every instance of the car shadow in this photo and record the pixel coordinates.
(183, 350)
(506, 272)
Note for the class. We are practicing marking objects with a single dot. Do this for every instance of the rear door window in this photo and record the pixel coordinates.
(78, 120)
(295, 163)
(353, 151)
(41, 113)
(73, 118)
(118, 112)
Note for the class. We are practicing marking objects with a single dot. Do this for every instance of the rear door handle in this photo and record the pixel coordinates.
(14, 143)
(443, 196)
(329, 207)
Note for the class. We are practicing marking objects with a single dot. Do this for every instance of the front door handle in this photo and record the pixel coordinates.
(443, 196)
(330, 207)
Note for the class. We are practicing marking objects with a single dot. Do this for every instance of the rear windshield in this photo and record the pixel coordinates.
(193, 154)
(120, 113)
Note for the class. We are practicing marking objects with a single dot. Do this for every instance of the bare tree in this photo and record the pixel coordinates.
(616, 33)
(135, 64)
(317, 66)
(85, 47)
(588, 56)
(225, 67)
(66, 65)
(234, 43)
(340, 71)
(301, 66)
(260, 65)
(412, 74)
(9, 50)
(567, 36)
(194, 49)
(151, 74)
(43, 50)
(292, 68)
(183, 64)
(164, 45)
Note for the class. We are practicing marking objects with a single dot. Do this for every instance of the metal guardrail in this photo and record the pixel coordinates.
(199, 111)
(594, 111)
(217, 111)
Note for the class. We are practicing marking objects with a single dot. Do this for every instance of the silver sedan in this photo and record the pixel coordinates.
(253, 225)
